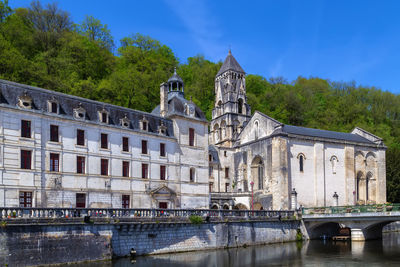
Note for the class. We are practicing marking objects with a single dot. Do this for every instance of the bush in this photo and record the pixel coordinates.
(195, 219)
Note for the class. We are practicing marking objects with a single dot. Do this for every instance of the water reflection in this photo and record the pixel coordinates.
(313, 253)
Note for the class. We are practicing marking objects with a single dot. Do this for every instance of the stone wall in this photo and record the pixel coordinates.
(33, 243)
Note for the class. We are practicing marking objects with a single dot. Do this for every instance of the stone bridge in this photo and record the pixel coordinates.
(365, 222)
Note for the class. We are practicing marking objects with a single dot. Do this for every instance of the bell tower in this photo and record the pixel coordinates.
(231, 111)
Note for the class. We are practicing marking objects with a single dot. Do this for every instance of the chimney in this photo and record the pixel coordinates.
(163, 99)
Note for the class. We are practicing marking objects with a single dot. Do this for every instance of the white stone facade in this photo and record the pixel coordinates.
(264, 162)
(40, 186)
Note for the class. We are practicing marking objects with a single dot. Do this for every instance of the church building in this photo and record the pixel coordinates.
(258, 162)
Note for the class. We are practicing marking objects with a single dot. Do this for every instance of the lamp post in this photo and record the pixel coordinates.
(252, 195)
(336, 199)
(294, 199)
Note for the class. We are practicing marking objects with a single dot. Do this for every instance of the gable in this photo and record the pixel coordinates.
(266, 126)
(367, 135)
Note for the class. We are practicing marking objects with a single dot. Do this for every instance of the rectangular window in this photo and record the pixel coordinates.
(54, 133)
(54, 162)
(125, 201)
(144, 124)
(80, 137)
(145, 170)
(26, 159)
(54, 107)
(227, 187)
(104, 167)
(226, 172)
(162, 150)
(209, 157)
(80, 164)
(25, 129)
(25, 199)
(211, 187)
(163, 205)
(125, 144)
(104, 117)
(162, 172)
(191, 137)
(80, 200)
(125, 168)
(104, 141)
(191, 175)
(144, 147)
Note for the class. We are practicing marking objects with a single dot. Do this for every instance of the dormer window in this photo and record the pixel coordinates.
(125, 122)
(52, 106)
(162, 129)
(79, 113)
(25, 101)
(144, 124)
(103, 116)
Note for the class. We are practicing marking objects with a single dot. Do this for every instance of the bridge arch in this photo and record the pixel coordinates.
(319, 229)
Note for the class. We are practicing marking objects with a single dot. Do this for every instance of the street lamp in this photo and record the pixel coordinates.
(294, 199)
(252, 195)
(336, 199)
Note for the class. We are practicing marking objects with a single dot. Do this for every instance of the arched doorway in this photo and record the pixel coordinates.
(257, 173)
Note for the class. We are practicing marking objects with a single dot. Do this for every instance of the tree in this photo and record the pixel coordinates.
(5, 10)
(95, 31)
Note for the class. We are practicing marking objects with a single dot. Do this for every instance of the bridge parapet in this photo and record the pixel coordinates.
(351, 209)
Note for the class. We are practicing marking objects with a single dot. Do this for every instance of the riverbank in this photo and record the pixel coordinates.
(55, 241)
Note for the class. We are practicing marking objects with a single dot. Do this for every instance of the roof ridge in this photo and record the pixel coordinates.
(230, 63)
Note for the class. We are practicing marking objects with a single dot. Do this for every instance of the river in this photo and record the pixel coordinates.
(385, 252)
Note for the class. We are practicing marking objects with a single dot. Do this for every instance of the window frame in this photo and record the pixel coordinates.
(80, 164)
(125, 144)
(163, 150)
(191, 137)
(26, 129)
(54, 133)
(145, 171)
(80, 137)
(145, 149)
(125, 168)
(27, 197)
(104, 171)
(54, 162)
(103, 141)
(26, 159)
(163, 172)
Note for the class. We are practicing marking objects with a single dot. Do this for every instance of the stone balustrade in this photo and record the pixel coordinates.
(10, 212)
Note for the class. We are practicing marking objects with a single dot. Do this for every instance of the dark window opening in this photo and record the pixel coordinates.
(54, 107)
(80, 137)
(104, 141)
(163, 205)
(104, 167)
(144, 147)
(301, 163)
(80, 164)
(227, 187)
(125, 144)
(125, 168)
(144, 125)
(80, 200)
(26, 159)
(191, 174)
(125, 201)
(162, 149)
(162, 172)
(211, 186)
(104, 117)
(226, 172)
(191, 137)
(54, 133)
(145, 168)
(25, 129)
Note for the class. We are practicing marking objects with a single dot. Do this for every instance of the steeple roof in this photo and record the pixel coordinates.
(230, 63)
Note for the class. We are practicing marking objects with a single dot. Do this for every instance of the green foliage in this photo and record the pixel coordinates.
(195, 219)
(40, 46)
(299, 235)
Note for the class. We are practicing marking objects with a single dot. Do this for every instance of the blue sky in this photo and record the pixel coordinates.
(337, 40)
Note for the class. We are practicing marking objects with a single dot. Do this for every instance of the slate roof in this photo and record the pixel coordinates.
(11, 91)
(175, 77)
(230, 63)
(290, 129)
(176, 105)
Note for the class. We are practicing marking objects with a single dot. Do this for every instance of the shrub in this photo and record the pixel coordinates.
(195, 219)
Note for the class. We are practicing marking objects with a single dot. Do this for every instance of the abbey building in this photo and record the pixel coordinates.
(58, 150)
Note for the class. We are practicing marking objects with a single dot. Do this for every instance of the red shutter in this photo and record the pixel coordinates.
(80, 164)
(26, 157)
(54, 162)
(125, 144)
(25, 129)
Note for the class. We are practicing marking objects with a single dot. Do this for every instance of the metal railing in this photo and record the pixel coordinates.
(352, 209)
(10, 212)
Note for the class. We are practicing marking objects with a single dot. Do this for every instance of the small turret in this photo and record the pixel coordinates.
(175, 84)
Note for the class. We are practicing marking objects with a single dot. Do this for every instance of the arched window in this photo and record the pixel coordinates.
(240, 106)
(223, 130)
(301, 158)
(260, 176)
(219, 106)
(334, 162)
(256, 130)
